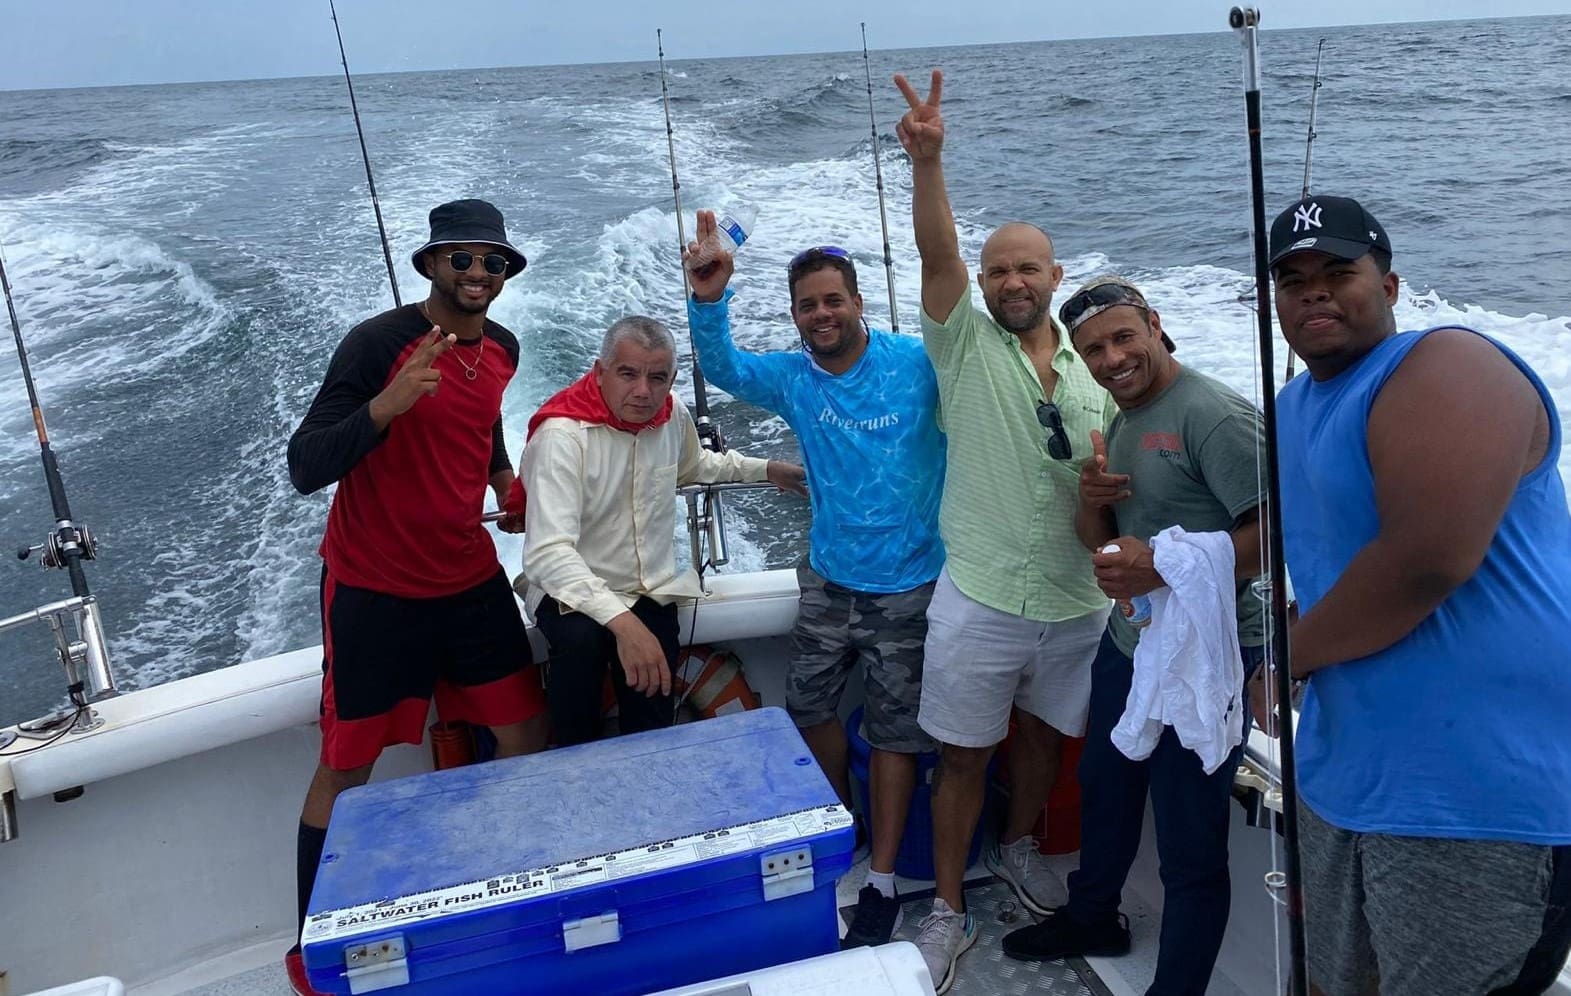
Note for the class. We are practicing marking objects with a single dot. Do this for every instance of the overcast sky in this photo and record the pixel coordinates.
(106, 42)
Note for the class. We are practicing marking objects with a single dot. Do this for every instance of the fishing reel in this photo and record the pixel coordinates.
(58, 545)
(1243, 17)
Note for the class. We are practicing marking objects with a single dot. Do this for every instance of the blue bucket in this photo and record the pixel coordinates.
(915, 858)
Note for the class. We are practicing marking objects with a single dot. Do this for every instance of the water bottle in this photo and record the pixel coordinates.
(1136, 610)
(1139, 614)
(731, 231)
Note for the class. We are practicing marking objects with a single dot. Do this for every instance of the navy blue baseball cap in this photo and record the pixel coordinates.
(1336, 226)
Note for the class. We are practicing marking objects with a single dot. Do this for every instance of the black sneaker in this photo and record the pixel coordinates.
(1060, 937)
(875, 921)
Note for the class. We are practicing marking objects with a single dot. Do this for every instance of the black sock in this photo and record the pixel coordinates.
(308, 854)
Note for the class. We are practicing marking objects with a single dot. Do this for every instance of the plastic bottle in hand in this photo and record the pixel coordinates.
(731, 231)
(1136, 610)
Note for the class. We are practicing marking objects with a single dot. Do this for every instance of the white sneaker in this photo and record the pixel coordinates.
(942, 937)
(1027, 872)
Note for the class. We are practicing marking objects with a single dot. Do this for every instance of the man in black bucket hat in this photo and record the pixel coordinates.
(408, 423)
(455, 225)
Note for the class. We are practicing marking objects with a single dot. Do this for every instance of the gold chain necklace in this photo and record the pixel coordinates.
(470, 372)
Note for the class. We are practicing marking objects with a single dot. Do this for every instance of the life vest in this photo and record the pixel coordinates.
(711, 682)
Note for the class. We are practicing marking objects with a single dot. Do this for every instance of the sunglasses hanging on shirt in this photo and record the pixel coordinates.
(1052, 420)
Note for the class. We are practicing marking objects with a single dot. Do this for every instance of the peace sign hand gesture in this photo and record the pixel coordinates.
(414, 380)
(921, 130)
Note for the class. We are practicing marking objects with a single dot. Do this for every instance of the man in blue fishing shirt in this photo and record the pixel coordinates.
(864, 407)
(1428, 539)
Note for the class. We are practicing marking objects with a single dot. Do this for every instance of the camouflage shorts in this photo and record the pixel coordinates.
(837, 627)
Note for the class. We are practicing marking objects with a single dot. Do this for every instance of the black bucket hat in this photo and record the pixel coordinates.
(458, 222)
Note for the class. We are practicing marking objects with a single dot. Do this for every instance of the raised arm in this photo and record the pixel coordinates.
(757, 380)
(921, 131)
(1480, 433)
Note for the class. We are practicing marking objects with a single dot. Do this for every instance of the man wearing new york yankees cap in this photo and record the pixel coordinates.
(1429, 542)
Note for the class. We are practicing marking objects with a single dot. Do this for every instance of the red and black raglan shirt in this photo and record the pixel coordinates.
(406, 518)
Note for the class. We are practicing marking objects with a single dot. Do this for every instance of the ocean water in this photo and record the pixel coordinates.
(185, 258)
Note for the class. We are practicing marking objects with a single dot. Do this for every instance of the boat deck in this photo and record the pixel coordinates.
(983, 971)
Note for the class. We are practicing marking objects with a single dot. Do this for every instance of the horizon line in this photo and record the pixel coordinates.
(756, 55)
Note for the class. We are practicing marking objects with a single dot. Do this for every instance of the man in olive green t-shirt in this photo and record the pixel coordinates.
(1183, 451)
(1016, 614)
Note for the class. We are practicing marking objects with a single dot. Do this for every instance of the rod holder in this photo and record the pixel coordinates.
(78, 630)
(8, 827)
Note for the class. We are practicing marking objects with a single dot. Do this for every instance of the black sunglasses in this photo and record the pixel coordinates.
(1052, 420)
(1098, 297)
(462, 259)
(817, 252)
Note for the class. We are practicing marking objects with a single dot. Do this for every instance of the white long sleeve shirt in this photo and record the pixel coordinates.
(600, 523)
(1188, 670)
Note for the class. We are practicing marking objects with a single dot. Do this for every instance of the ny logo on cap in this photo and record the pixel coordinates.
(1306, 217)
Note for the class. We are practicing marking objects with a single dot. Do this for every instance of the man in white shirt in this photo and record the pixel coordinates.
(604, 459)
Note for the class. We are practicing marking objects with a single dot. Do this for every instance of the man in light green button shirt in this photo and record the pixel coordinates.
(1017, 615)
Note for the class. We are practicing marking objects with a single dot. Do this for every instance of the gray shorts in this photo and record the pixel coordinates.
(981, 662)
(1420, 916)
(837, 627)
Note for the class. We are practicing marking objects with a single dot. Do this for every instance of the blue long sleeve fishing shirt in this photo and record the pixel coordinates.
(870, 442)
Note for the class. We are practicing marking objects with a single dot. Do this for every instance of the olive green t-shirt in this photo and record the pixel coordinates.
(1193, 459)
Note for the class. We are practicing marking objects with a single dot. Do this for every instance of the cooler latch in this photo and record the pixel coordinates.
(591, 931)
(378, 964)
(787, 873)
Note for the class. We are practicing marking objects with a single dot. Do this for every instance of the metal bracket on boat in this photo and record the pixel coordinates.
(591, 931)
(378, 964)
(1260, 795)
(84, 654)
(706, 522)
(787, 873)
(8, 828)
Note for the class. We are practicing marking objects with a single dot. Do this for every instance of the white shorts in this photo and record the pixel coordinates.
(981, 661)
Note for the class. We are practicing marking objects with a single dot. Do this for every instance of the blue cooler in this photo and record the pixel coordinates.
(625, 866)
(914, 860)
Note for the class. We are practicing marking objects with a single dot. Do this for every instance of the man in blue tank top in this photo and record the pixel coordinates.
(864, 407)
(1428, 539)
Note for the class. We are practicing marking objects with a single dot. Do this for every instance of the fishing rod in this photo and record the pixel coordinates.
(878, 172)
(1245, 21)
(1314, 99)
(1309, 151)
(711, 517)
(365, 157)
(706, 429)
(69, 545)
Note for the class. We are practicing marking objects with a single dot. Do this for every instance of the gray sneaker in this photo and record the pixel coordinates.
(1026, 871)
(942, 937)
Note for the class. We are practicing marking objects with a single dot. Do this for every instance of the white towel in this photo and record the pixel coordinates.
(1189, 673)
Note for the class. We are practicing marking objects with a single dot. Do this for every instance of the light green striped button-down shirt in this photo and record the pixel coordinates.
(1008, 516)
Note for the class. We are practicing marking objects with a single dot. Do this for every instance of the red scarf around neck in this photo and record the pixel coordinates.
(583, 401)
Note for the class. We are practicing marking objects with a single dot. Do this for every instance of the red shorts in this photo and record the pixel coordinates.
(384, 658)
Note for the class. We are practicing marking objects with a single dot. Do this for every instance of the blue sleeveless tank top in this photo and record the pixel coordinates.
(1462, 728)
